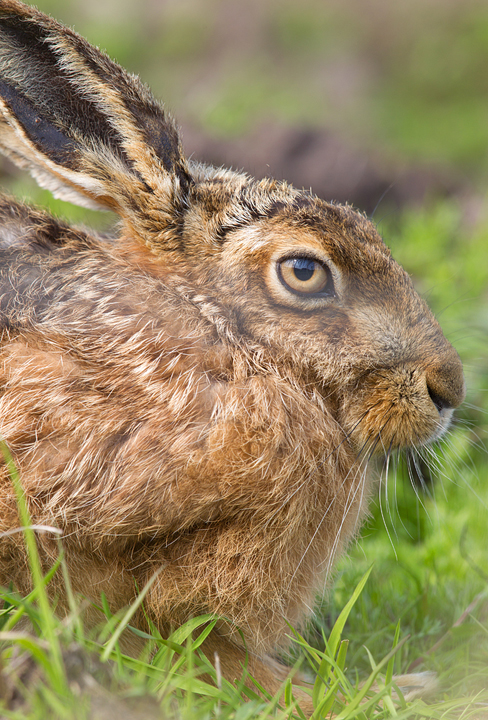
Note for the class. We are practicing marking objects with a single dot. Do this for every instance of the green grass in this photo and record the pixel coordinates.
(61, 672)
(406, 593)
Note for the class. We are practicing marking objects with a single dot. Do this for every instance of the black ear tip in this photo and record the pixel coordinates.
(69, 105)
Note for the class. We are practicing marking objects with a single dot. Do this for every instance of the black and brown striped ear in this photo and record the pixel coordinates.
(85, 129)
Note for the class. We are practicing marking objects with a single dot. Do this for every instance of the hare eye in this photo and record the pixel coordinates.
(306, 276)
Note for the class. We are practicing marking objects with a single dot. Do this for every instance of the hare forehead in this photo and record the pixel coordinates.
(263, 240)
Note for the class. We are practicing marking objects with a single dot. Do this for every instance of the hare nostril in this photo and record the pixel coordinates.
(440, 402)
(445, 382)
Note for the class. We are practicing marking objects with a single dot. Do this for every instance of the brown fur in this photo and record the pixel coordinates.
(166, 398)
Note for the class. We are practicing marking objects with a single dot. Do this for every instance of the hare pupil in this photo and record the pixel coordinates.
(304, 269)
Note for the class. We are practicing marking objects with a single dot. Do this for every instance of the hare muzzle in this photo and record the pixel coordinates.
(407, 405)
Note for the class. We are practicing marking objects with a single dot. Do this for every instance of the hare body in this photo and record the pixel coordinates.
(207, 392)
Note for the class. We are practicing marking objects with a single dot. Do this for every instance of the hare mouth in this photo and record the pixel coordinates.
(394, 409)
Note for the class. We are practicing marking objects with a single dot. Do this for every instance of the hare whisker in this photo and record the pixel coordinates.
(357, 469)
(474, 440)
(413, 484)
(322, 462)
(385, 483)
(471, 406)
(357, 486)
(470, 468)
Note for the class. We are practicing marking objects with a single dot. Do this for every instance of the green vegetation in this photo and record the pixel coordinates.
(56, 670)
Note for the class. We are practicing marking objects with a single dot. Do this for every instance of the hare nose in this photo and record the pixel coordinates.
(445, 382)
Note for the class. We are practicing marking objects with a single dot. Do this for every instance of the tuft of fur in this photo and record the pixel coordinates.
(168, 399)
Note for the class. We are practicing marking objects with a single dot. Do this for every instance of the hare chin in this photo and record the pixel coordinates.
(445, 418)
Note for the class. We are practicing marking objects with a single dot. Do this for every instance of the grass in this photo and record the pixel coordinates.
(166, 681)
(61, 672)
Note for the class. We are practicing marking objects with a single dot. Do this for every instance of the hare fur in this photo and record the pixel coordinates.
(207, 392)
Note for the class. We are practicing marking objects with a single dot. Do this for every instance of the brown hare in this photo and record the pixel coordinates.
(209, 391)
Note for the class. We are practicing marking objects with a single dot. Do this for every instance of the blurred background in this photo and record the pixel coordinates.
(355, 98)
(385, 105)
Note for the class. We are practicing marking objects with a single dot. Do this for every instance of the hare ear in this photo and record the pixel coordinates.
(85, 129)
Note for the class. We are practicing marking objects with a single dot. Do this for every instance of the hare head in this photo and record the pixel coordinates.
(207, 392)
